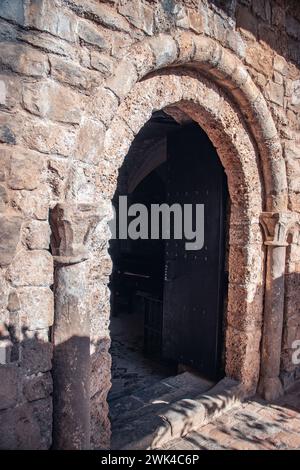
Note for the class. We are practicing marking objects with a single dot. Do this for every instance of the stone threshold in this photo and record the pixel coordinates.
(153, 431)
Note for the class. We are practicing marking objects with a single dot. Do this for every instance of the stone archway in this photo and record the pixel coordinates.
(209, 106)
(240, 126)
(226, 70)
(221, 67)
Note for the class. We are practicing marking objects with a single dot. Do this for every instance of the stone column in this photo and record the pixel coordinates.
(71, 227)
(276, 226)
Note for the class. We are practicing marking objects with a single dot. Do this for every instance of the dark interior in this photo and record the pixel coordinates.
(138, 280)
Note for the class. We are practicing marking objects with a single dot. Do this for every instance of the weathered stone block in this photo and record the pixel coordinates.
(102, 62)
(31, 268)
(38, 387)
(36, 307)
(164, 50)
(10, 228)
(24, 59)
(12, 10)
(125, 76)
(121, 41)
(54, 101)
(104, 105)
(38, 235)
(259, 58)
(32, 204)
(48, 137)
(48, 43)
(246, 262)
(275, 93)
(236, 43)
(42, 412)
(245, 307)
(280, 64)
(79, 76)
(25, 169)
(102, 14)
(243, 355)
(90, 34)
(9, 380)
(27, 426)
(70, 73)
(36, 356)
(196, 21)
(48, 15)
(90, 141)
(138, 14)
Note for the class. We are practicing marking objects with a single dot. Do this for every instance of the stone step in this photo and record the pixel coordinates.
(149, 400)
(153, 428)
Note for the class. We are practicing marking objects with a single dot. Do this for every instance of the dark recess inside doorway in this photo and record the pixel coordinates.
(137, 280)
(141, 317)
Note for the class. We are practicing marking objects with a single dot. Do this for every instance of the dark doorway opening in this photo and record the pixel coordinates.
(167, 301)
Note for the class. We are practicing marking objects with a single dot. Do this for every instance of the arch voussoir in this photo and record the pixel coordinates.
(208, 57)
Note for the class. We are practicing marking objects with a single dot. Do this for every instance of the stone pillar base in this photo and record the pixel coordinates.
(270, 388)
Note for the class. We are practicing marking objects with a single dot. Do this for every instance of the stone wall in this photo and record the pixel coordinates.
(65, 67)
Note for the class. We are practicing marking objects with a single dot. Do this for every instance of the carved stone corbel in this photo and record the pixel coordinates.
(276, 226)
(72, 226)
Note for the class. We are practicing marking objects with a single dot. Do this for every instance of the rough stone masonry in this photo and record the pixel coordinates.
(78, 79)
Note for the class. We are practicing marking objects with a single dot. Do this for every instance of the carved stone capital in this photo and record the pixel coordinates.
(72, 225)
(277, 225)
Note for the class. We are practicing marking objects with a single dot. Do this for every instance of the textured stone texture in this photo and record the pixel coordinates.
(38, 387)
(9, 238)
(74, 91)
(9, 391)
(31, 268)
(36, 307)
(256, 425)
(37, 235)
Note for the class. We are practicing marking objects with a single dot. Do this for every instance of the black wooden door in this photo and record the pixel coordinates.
(194, 280)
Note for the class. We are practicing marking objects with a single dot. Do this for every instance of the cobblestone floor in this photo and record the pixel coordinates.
(131, 370)
(256, 425)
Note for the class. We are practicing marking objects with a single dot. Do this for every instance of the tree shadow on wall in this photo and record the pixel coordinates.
(26, 386)
(26, 397)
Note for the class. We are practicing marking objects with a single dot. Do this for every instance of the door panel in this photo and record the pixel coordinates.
(193, 288)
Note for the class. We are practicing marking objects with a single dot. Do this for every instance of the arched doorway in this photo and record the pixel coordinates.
(185, 91)
(213, 88)
(169, 289)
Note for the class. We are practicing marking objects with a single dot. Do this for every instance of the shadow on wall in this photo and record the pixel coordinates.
(26, 388)
(274, 23)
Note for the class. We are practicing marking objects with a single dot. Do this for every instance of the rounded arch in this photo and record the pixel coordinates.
(212, 109)
(208, 57)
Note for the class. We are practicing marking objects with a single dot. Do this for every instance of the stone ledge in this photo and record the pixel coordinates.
(183, 416)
